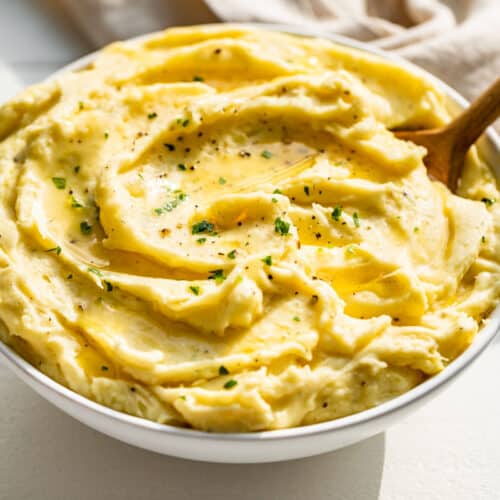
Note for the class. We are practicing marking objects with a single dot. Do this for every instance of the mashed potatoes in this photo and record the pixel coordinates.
(216, 228)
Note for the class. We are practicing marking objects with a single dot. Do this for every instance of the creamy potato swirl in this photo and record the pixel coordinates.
(216, 228)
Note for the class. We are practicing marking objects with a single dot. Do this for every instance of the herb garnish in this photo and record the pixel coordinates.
(169, 205)
(76, 169)
(59, 182)
(280, 226)
(104, 368)
(202, 227)
(355, 218)
(200, 241)
(488, 201)
(152, 116)
(198, 79)
(268, 261)
(232, 254)
(217, 275)
(56, 249)
(185, 122)
(277, 191)
(195, 289)
(266, 154)
(336, 213)
(296, 318)
(222, 181)
(94, 270)
(223, 370)
(181, 166)
(85, 227)
(230, 383)
(306, 190)
(75, 203)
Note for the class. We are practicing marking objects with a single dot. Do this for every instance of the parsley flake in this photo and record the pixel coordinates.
(197, 78)
(266, 154)
(200, 241)
(232, 254)
(195, 289)
(296, 318)
(85, 227)
(277, 191)
(75, 203)
(355, 218)
(59, 182)
(488, 201)
(230, 384)
(223, 370)
(268, 260)
(217, 275)
(56, 249)
(169, 205)
(281, 227)
(202, 227)
(152, 116)
(76, 169)
(336, 213)
(185, 122)
(94, 270)
(222, 181)
(306, 190)
(181, 166)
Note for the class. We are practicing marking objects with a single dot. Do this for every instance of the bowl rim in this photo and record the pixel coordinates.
(481, 341)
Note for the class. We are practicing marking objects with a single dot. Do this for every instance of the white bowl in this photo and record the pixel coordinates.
(267, 446)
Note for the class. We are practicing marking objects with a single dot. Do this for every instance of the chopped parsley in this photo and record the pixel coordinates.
(59, 182)
(202, 227)
(274, 200)
(76, 169)
(104, 368)
(276, 191)
(268, 260)
(222, 180)
(280, 226)
(488, 201)
(195, 289)
(170, 147)
(181, 166)
(230, 384)
(217, 275)
(197, 78)
(200, 241)
(266, 154)
(75, 203)
(56, 249)
(232, 254)
(306, 190)
(169, 205)
(223, 370)
(80, 105)
(185, 122)
(106, 135)
(152, 116)
(109, 286)
(416, 229)
(296, 318)
(355, 218)
(85, 227)
(336, 213)
(94, 270)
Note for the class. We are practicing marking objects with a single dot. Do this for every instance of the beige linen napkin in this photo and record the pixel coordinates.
(457, 40)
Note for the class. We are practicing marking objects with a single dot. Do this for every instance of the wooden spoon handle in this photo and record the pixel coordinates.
(482, 112)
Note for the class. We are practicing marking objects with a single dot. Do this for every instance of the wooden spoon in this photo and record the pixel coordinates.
(447, 146)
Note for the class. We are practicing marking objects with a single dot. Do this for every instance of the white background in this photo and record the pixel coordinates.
(448, 450)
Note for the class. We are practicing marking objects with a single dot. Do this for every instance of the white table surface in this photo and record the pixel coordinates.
(448, 450)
